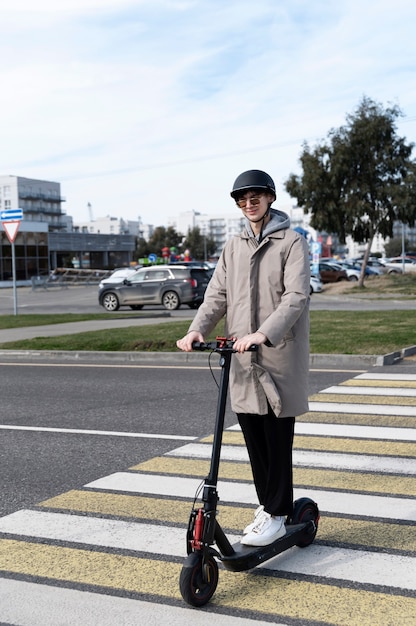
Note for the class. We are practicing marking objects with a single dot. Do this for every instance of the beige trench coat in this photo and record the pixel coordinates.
(264, 287)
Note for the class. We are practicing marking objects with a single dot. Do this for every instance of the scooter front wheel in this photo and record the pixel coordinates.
(199, 579)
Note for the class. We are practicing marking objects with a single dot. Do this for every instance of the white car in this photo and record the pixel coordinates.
(397, 266)
(118, 276)
(315, 285)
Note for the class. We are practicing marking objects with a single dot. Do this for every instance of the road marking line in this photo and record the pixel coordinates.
(37, 605)
(105, 433)
(389, 536)
(370, 409)
(359, 566)
(348, 430)
(390, 376)
(358, 419)
(373, 384)
(361, 462)
(402, 392)
(234, 492)
(339, 480)
(275, 597)
(114, 364)
(335, 444)
(145, 365)
(365, 399)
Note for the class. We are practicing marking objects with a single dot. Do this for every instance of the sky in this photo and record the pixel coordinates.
(150, 108)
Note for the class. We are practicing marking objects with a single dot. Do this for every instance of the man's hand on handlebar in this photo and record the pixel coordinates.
(186, 342)
(240, 345)
(243, 344)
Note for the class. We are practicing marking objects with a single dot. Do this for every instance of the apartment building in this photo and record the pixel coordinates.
(40, 200)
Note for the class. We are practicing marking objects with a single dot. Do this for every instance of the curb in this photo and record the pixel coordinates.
(362, 361)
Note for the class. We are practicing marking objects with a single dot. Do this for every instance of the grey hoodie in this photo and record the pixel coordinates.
(278, 221)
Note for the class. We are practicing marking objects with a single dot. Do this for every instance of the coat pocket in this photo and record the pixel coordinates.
(269, 387)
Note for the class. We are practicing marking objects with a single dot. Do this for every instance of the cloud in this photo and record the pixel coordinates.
(152, 108)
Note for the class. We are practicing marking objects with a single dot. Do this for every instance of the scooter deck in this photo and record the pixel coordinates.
(249, 557)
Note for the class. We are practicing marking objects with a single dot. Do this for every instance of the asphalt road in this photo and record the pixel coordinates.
(120, 398)
(95, 463)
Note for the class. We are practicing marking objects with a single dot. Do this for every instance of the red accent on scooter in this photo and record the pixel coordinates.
(198, 530)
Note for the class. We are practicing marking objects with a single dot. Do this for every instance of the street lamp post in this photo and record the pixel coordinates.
(205, 243)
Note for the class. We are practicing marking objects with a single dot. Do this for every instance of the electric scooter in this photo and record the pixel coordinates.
(199, 575)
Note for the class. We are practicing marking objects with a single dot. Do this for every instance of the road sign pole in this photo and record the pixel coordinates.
(14, 279)
(10, 219)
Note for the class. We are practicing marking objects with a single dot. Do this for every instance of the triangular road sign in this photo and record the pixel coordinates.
(11, 229)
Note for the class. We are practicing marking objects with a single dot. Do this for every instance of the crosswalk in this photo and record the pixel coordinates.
(111, 552)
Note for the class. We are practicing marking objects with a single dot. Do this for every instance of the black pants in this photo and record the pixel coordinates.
(269, 441)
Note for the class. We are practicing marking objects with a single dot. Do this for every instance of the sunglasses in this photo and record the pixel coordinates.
(254, 200)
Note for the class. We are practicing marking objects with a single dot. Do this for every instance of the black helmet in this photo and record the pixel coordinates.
(253, 179)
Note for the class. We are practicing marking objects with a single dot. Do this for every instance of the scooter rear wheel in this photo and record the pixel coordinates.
(198, 580)
(306, 510)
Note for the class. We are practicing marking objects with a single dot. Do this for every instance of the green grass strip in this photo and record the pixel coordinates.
(345, 332)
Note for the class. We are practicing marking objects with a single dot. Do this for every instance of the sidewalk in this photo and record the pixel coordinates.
(55, 330)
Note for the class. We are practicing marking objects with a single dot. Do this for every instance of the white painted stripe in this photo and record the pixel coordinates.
(353, 565)
(367, 409)
(301, 428)
(302, 458)
(400, 392)
(386, 376)
(31, 604)
(147, 366)
(244, 493)
(349, 431)
(105, 433)
(355, 462)
(95, 531)
(359, 566)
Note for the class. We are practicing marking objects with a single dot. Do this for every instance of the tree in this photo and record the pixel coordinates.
(200, 246)
(361, 180)
(394, 247)
(162, 237)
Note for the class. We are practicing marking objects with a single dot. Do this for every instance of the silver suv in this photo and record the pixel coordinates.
(169, 285)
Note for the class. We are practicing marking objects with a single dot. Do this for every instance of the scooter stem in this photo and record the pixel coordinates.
(225, 362)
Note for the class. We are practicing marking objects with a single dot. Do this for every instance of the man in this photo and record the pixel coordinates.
(261, 285)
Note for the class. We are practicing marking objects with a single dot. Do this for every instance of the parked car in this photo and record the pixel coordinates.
(331, 272)
(375, 265)
(398, 264)
(315, 285)
(354, 270)
(353, 273)
(169, 285)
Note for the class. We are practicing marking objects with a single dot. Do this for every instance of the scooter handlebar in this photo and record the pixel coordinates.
(219, 345)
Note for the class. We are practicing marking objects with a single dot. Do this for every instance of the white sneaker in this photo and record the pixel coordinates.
(257, 513)
(266, 530)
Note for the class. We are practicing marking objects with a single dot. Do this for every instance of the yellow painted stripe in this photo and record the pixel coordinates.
(353, 399)
(335, 529)
(194, 467)
(305, 477)
(89, 567)
(278, 597)
(404, 384)
(361, 419)
(334, 444)
(359, 446)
